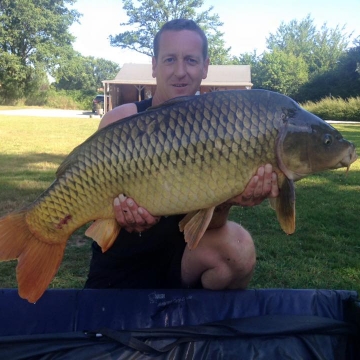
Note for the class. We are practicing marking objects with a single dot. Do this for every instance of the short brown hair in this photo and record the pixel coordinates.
(178, 25)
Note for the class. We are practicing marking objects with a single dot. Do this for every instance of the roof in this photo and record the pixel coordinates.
(218, 75)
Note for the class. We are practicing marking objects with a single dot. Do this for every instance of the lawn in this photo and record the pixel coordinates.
(323, 253)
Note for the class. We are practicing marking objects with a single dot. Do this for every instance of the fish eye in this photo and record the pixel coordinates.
(328, 139)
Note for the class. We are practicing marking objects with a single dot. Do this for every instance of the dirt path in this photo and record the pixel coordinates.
(50, 113)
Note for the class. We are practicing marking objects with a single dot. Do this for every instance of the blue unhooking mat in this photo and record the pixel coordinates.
(180, 324)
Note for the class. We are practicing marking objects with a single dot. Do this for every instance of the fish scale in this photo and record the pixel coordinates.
(189, 154)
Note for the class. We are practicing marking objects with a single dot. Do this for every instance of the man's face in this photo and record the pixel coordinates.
(180, 66)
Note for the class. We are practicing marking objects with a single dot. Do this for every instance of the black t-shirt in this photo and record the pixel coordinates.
(151, 259)
(143, 105)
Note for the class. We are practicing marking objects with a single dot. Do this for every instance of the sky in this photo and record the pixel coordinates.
(247, 24)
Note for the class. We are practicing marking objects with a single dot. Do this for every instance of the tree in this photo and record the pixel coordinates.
(84, 73)
(342, 81)
(252, 59)
(357, 49)
(282, 72)
(321, 50)
(33, 37)
(150, 15)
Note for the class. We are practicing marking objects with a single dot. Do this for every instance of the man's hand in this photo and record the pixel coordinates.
(263, 185)
(134, 218)
(131, 217)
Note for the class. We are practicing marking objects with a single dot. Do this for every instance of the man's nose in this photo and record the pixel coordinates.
(180, 69)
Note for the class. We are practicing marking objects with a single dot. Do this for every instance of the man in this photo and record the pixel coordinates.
(150, 252)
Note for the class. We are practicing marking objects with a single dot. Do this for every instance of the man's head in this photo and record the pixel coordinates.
(178, 25)
(180, 60)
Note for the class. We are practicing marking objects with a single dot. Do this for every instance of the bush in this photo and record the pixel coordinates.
(60, 101)
(63, 99)
(331, 108)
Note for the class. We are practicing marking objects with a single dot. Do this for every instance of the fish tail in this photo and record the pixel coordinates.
(38, 261)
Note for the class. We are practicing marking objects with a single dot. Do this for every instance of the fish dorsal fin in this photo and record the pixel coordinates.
(195, 224)
(104, 232)
(284, 204)
(171, 102)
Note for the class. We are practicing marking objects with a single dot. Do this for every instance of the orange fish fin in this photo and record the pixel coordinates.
(104, 232)
(195, 227)
(186, 219)
(37, 266)
(38, 261)
(284, 204)
(13, 235)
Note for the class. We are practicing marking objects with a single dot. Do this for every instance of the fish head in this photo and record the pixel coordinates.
(308, 144)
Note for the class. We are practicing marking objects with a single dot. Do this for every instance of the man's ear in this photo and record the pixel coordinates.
(206, 68)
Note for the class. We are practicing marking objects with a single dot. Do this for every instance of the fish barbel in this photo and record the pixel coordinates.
(186, 156)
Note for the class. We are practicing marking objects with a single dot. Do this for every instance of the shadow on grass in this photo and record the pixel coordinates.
(25, 161)
(24, 177)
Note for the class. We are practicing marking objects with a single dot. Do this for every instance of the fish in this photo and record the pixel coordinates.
(186, 156)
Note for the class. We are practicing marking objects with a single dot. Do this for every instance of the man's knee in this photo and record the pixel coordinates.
(239, 255)
(225, 258)
(243, 250)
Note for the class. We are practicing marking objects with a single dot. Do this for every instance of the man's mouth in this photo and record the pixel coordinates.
(179, 85)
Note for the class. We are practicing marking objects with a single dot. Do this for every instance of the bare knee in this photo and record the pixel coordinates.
(242, 257)
(225, 258)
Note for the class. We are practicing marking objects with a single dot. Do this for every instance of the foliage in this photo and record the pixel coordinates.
(12, 77)
(278, 70)
(320, 49)
(150, 15)
(84, 73)
(306, 63)
(282, 72)
(33, 37)
(252, 59)
(68, 99)
(342, 81)
(331, 108)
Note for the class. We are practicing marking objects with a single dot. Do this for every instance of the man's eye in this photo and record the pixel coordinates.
(192, 61)
(169, 60)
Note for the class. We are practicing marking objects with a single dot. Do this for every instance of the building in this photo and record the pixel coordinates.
(134, 82)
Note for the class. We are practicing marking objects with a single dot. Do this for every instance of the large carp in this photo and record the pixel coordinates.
(186, 156)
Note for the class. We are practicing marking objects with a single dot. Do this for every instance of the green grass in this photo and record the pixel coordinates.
(324, 252)
(31, 149)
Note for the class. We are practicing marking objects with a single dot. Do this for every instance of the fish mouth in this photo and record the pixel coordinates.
(347, 160)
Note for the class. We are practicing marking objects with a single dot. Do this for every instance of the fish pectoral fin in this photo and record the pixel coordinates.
(272, 202)
(284, 204)
(186, 219)
(104, 232)
(195, 224)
